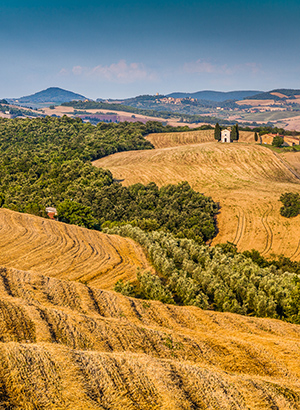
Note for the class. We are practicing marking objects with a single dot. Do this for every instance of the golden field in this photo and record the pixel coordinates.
(40, 245)
(69, 343)
(65, 345)
(245, 178)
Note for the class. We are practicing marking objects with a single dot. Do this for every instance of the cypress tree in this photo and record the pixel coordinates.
(217, 132)
(256, 136)
(233, 134)
(237, 131)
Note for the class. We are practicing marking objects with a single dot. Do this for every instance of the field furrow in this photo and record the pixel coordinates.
(245, 179)
(65, 345)
(67, 251)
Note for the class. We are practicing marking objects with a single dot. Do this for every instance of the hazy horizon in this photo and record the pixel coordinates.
(112, 49)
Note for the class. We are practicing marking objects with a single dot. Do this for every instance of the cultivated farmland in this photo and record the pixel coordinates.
(246, 179)
(79, 347)
(52, 248)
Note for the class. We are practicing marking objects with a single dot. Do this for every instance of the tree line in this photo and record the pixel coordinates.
(47, 162)
(217, 278)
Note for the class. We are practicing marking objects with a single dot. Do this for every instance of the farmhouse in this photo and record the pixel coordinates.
(225, 136)
(291, 141)
(51, 212)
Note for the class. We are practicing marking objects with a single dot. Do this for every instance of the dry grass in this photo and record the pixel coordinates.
(66, 251)
(65, 345)
(293, 159)
(246, 179)
(175, 139)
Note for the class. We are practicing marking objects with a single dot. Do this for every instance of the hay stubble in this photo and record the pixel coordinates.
(246, 179)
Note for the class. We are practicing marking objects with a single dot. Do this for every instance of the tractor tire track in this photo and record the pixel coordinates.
(240, 227)
(297, 251)
(269, 232)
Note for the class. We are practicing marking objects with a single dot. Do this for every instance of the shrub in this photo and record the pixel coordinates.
(291, 204)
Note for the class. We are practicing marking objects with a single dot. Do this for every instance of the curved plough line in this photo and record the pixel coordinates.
(297, 251)
(240, 227)
(268, 230)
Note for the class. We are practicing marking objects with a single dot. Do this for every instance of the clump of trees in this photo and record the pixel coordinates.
(216, 278)
(291, 204)
(174, 208)
(46, 162)
(277, 141)
(235, 134)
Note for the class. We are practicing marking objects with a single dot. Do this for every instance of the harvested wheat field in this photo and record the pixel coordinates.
(246, 179)
(292, 159)
(174, 139)
(53, 248)
(65, 345)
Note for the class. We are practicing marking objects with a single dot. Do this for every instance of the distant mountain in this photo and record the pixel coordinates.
(50, 95)
(215, 95)
(279, 94)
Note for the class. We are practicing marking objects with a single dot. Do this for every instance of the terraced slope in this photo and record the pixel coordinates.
(64, 345)
(246, 179)
(66, 251)
(174, 139)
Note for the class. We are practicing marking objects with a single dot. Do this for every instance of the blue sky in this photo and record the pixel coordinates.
(124, 48)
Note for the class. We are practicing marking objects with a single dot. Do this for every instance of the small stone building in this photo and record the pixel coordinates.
(225, 136)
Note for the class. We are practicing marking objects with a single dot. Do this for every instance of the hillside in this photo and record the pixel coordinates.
(246, 179)
(68, 346)
(276, 95)
(219, 96)
(50, 95)
(31, 243)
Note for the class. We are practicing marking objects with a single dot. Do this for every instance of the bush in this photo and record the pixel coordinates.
(291, 204)
(277, 141)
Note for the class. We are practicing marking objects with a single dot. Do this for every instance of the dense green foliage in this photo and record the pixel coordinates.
(18, 112)
(277, 141)
(46, 162)
(77, 214)
(174, 208)
(255, 136)
(280, 262)
(291, 204)
(235, 135)
(216, 278)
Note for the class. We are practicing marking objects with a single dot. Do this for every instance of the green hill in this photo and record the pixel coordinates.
(51, 95)
(271, 95)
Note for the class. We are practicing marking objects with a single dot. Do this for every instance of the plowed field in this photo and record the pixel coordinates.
(66, 251)
(246, 179)
(65, 345)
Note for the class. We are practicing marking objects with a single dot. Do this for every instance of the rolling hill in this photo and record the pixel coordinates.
(64, 251)
(219, 96)
(53, 95)
(246, 179)
(276, 95)
(65, 345)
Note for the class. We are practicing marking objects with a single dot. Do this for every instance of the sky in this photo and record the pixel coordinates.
(119, 49)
